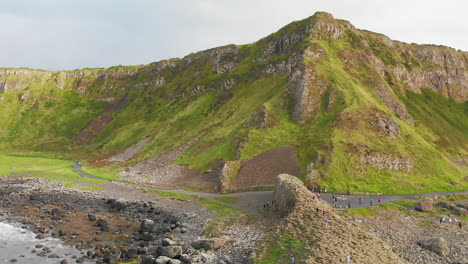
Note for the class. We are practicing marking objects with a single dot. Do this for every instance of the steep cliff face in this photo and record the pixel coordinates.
(359, 110)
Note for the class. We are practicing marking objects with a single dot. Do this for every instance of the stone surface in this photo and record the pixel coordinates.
(424, 206)
(208, 244)
(162, 260)
(437, 245)
(171, 251)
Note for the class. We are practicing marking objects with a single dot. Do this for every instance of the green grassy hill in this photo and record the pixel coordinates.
(363, 112)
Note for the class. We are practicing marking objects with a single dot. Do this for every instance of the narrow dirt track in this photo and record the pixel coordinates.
(252, 202)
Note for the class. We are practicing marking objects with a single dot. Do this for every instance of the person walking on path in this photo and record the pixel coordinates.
(349, 204)
(371, 202)
(349, 256)
(380, 199)
(293, 261)
(460, 224)
(318, 195)
(360, 200)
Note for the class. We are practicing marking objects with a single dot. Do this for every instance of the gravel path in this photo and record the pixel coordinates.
(253, 201)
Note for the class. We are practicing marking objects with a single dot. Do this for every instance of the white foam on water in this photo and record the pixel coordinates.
(17, 243)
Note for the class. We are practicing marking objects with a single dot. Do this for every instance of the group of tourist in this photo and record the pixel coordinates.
(335, 201)
(450, 220)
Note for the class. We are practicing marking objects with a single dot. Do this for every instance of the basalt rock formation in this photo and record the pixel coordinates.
(356, 110)
(312, 232)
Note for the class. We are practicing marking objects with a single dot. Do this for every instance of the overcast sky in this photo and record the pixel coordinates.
(70, 34)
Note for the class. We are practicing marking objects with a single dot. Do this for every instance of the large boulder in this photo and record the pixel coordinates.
(445, 205)
(168, 242)
(162, 260)
(208, 244)
(436, 245)
(148, 259)
(120, 204)
(147, 225)
(171, 251)
(461, 211)
(424, 206)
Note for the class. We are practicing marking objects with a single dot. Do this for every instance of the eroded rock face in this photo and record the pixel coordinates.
(260, 118)
(387, 125)
(224, 59)
(284, 197)
(452, 83)
(387, 161)
(424, 206)
(436, 245)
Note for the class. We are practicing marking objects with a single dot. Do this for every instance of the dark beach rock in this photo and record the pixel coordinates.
(91, 217)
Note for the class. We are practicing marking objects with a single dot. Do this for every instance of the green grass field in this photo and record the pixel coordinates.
(51, 169)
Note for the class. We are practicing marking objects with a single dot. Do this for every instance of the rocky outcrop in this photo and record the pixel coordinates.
(284, 196)
(260, 118)
(436, 245)
(228, 174)
(315, 224)
(224, 59)
(388, 161)
(424, 206)
(450, 82)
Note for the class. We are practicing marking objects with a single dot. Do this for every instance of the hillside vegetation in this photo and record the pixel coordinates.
(362, 112)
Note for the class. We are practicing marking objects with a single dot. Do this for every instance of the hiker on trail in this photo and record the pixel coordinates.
(440, 220)
(360, 200)
(313, 195)
(460, 224)
(293, 261)
(371, 202)
(349, 204)
(380, 199)
(318, 195)
(324, 210)
(334, 204)
(349, 256)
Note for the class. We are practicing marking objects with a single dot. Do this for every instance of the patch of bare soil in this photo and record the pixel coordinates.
(262, 170)
(98, 124)
(159, 171)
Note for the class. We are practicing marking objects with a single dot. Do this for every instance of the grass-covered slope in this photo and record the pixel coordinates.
(363, 112)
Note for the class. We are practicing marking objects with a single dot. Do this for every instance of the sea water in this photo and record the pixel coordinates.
(16, 244)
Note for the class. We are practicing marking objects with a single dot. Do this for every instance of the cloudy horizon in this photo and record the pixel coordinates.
(67, 34)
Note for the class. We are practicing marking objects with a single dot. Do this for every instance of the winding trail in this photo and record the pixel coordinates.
(253, 201)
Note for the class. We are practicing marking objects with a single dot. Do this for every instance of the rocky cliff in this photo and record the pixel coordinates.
(341, 107)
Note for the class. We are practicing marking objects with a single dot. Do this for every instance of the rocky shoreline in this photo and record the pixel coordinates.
(109, 230)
